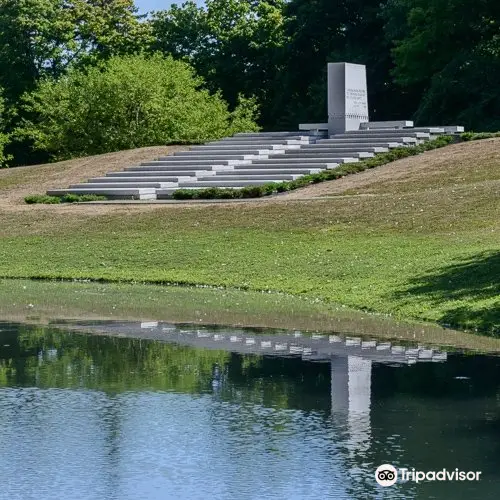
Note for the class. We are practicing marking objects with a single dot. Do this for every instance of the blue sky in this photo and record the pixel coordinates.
(149, 5)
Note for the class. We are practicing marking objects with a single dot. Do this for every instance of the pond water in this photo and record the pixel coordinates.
(130, 410)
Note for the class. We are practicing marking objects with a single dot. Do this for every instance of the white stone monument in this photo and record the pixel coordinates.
(347, 97)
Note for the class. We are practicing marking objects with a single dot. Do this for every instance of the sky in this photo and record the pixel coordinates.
(149, 5)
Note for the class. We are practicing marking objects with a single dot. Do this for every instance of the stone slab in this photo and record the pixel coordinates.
(233, 184)
(110, 184)
(386, 124)
(362, 145)
(325, 153)
(324, 165)
(135, 179)
(242, 154)
(314, 126)
(361, 139)
(236, 147)
(261, 175)
(145, 174)
(342, 150)
(274, 171)
(386, 133)
(286, 161)
(138, 193)
(347, 97)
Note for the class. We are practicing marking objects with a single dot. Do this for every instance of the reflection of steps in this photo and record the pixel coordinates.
(250, 159)
(316, 347)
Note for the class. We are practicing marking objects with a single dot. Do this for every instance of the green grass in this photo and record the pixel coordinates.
(41, 302)
(427, 249)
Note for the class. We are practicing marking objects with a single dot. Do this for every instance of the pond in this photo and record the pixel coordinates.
(158, 410)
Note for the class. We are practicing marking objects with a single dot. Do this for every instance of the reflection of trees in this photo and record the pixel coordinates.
(46, 357)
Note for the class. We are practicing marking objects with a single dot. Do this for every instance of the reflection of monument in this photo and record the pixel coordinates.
(351, 398)
(351, 358)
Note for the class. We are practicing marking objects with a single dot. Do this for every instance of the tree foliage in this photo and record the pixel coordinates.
(447, 54)
(235, 45)
(4, 138)
(128, 102)
(434, 61)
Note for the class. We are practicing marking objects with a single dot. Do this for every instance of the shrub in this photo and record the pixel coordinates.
(475, 136)
(42, 198)
(128, 102)
(67, 198)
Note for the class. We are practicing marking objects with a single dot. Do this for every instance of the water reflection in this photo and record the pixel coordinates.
(104, 417)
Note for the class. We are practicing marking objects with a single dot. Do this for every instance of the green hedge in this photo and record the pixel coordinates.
(67, 198)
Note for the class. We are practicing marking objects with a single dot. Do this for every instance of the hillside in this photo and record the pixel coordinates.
(418, 238)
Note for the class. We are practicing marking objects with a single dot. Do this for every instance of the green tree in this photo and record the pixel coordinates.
(447, 56)
(235, 45)
(128, 102)
(4, 138)
(44, 37)
(321, 31)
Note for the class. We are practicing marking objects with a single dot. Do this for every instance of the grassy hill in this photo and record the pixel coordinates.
(417, 238)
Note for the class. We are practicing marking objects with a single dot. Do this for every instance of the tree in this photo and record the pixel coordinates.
(321, 31)
(446, 53)
(128, 102)
(45, 37)
(4, 138)
(236, 45)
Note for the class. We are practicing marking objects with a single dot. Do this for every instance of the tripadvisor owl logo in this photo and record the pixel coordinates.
(386, 475)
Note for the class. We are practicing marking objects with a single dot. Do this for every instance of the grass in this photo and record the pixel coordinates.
(425, 247)
(42, 302)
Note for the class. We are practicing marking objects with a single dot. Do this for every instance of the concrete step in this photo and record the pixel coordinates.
(276, 142)
(146, 178)
(343, 150)
(286, 161)
(118, 193)
(236, 147)
(156, 173)
(166, 170)
(263, 175)
(387, 137)
(384, 133)
(324, 165)
(325, 153)
(219, 155)
(290, 135)
(182, 162)
(148, 184)
(179, 165)
(272, 171)
(233, 184)
(361, 146)
(225, 152)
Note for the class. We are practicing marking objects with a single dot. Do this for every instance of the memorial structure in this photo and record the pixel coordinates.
(250, 159)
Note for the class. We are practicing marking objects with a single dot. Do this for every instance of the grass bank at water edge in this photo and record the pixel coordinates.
(418, 238)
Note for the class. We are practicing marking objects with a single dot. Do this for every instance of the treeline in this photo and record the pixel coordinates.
(86, 76)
